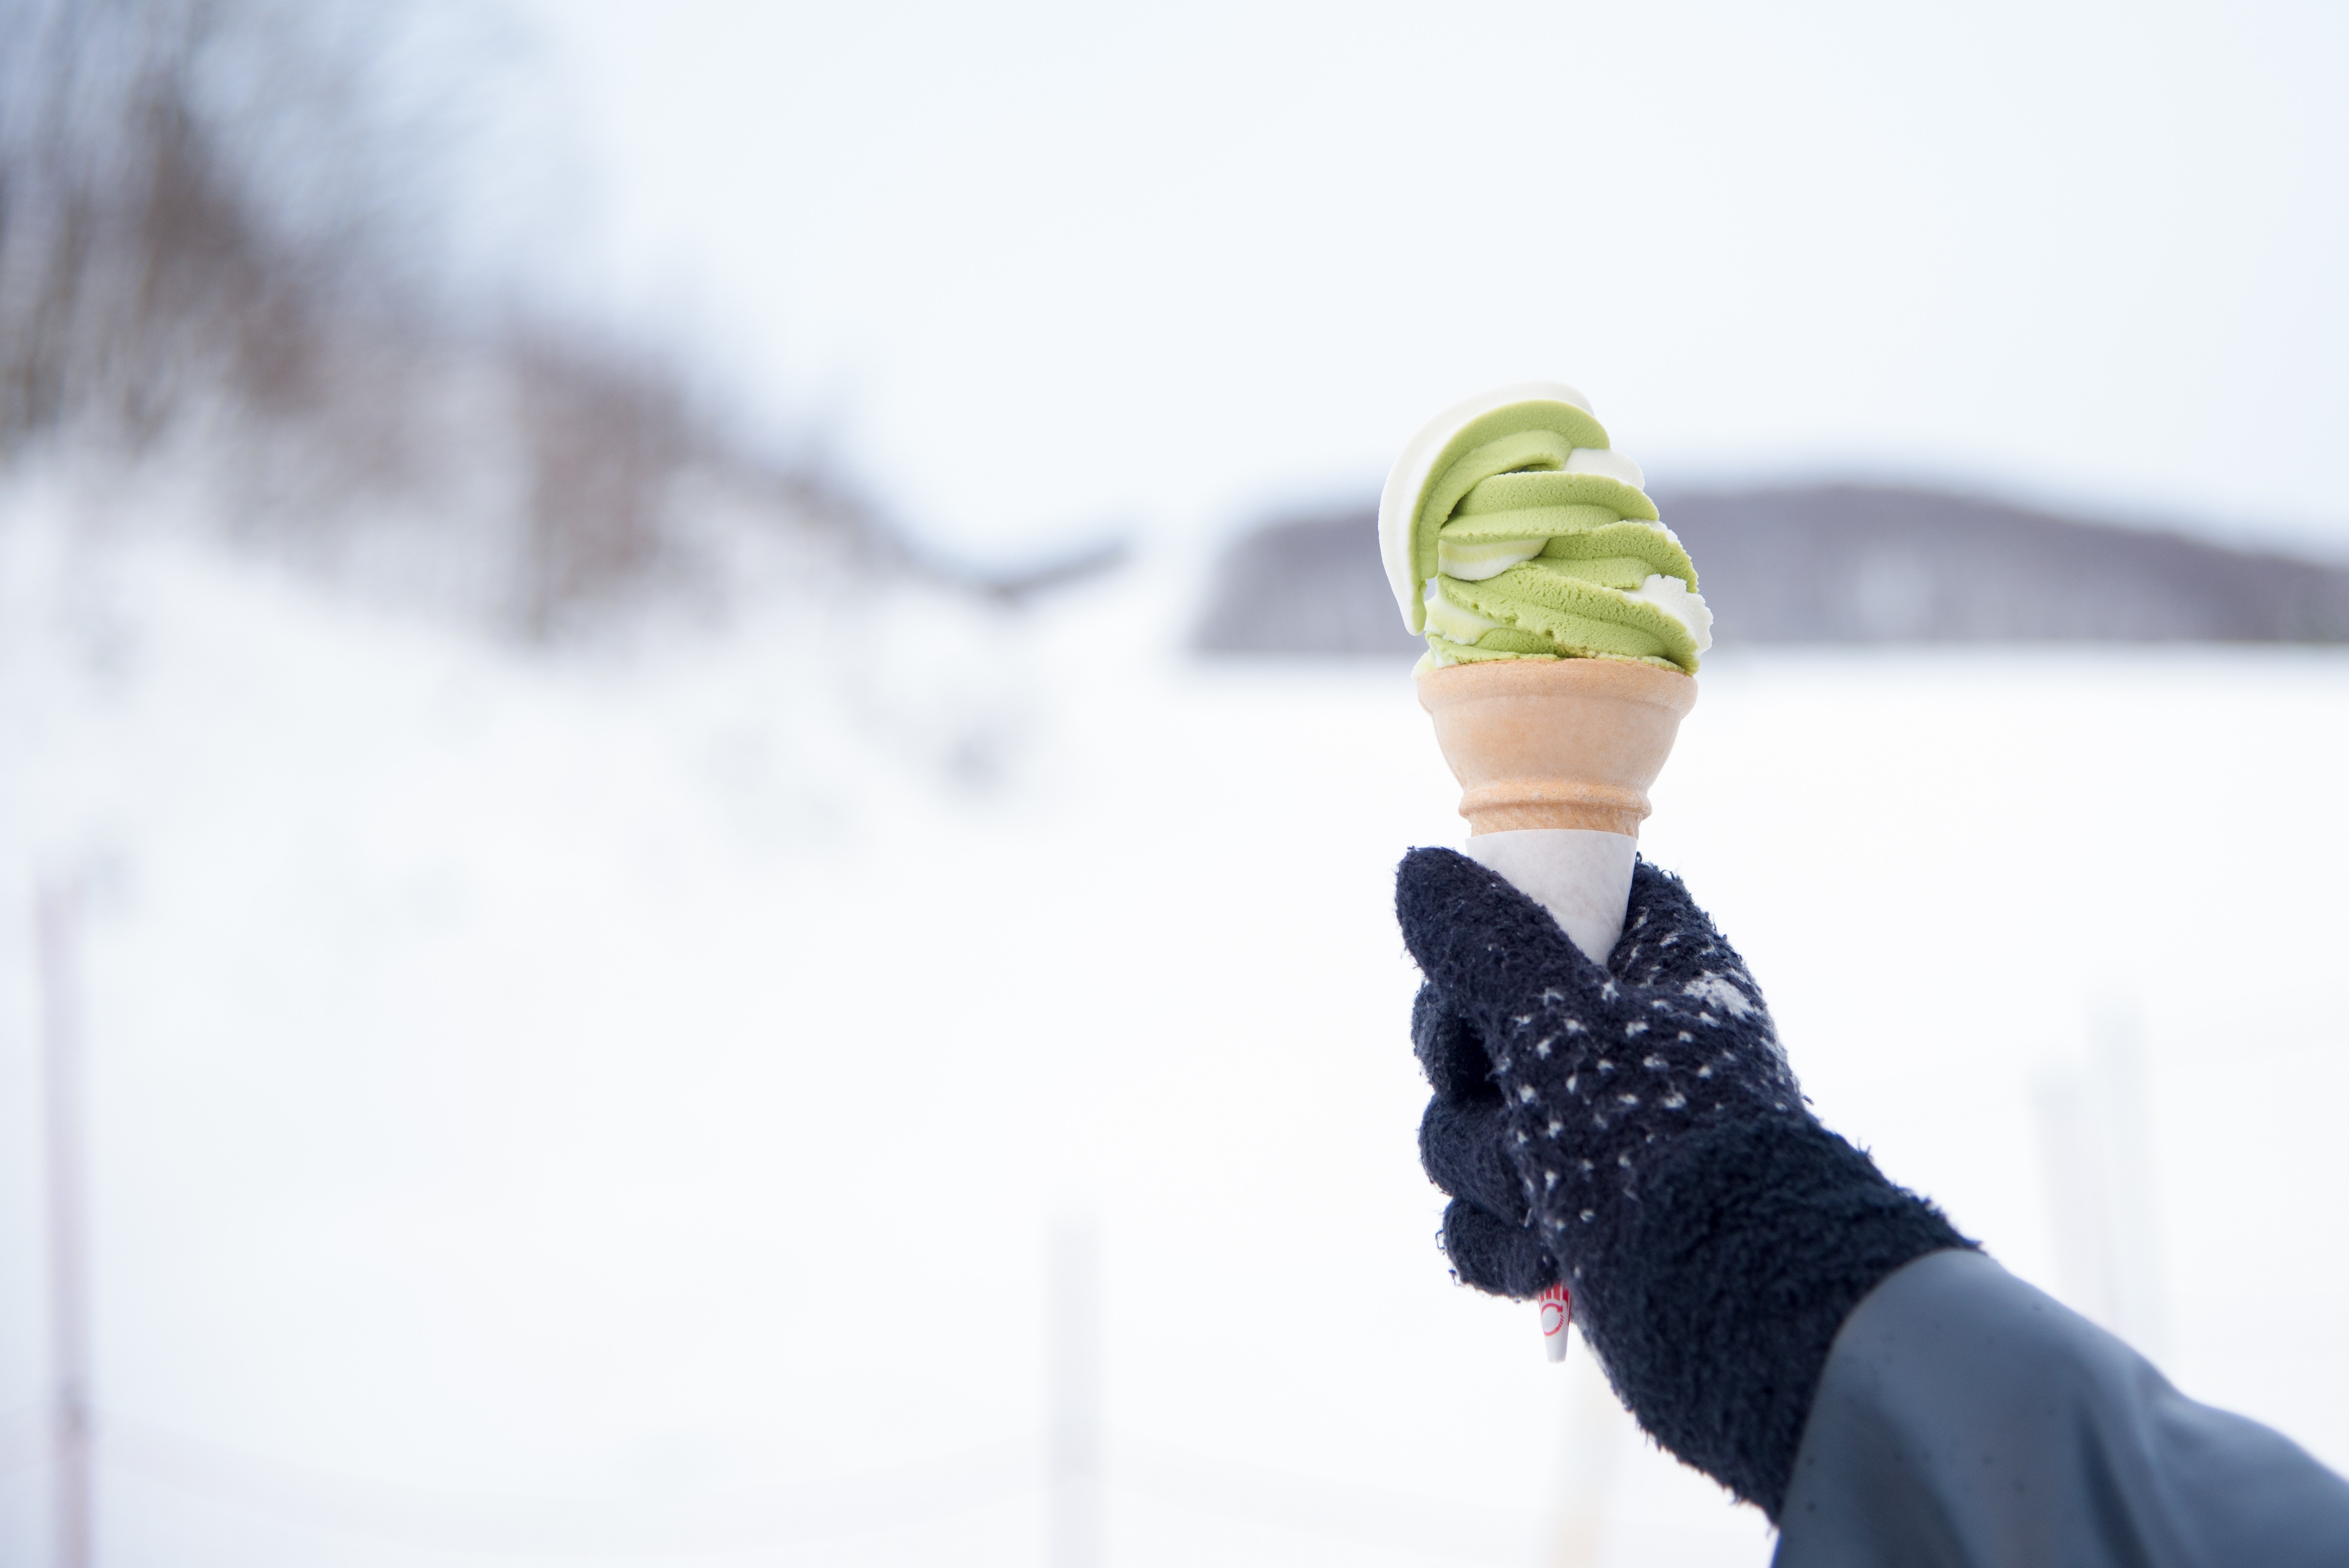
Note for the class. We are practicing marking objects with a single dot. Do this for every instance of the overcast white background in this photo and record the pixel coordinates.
(1046, 269)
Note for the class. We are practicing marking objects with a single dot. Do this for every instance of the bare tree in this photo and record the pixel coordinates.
(209, 239)
(145, 262)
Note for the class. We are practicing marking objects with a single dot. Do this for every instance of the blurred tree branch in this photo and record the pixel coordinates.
(216, 237)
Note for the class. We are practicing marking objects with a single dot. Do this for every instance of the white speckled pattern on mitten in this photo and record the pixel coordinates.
(1596, 1067)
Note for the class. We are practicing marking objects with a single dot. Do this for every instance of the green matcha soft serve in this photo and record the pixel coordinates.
(1511, 530)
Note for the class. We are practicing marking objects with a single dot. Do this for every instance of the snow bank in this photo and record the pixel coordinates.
(619, 1103)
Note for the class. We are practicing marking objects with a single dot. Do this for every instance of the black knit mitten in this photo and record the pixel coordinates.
(1636, 1131)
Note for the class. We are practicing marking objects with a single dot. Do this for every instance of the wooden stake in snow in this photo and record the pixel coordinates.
(56, 917)
(1073, 1364)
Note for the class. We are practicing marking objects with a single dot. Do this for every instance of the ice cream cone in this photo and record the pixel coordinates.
(1555, 743)
(1547, 651)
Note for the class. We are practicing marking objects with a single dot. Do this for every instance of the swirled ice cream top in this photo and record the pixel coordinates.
(1511, 530)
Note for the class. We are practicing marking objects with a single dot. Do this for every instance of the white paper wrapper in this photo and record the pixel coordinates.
(1583, 878)
(1556, 1306)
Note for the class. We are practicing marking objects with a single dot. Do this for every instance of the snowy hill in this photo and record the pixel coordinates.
(1835, 565)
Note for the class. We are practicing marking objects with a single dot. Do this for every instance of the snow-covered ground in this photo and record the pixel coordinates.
(620, 1105)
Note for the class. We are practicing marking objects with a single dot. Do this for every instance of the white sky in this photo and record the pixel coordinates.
(1046, 269)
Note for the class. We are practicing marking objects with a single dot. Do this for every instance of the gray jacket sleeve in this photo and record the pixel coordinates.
(1965, 1419)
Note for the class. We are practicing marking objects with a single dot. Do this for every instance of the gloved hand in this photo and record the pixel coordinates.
(1635, 1131)
(1555, 1080)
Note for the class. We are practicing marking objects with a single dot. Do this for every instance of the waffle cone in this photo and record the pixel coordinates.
(1555, 743)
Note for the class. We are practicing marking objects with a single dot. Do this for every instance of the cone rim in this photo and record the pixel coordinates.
(1624, 679)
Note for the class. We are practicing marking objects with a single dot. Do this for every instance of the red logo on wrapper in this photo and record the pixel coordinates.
(1556, 1306)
